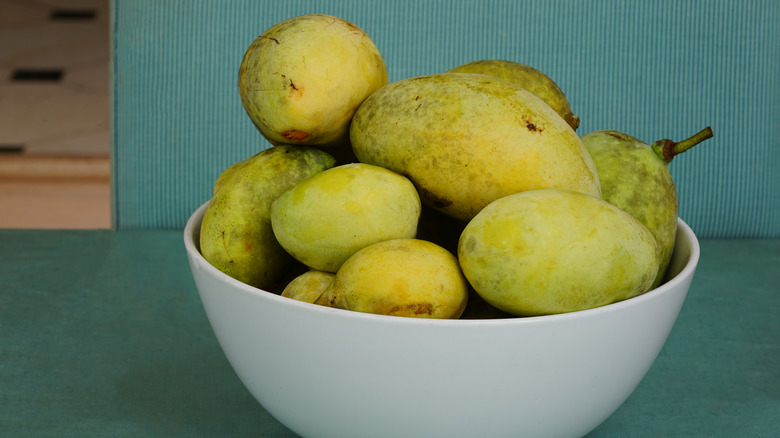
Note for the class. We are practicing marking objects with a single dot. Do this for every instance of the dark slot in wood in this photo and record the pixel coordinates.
(37, 74)
(73, 14)
(11, 148)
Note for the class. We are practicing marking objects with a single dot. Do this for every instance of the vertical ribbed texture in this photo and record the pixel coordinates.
(656, 69)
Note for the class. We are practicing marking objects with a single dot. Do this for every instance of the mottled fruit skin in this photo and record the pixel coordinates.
(466, 140)
(301, 81)
(325, 219)
(400, 277)
(526, 77)
(309, 286)
(635, 179)
(555, 251)
(236, 235)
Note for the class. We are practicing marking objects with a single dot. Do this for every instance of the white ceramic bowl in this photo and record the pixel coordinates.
(326, 372)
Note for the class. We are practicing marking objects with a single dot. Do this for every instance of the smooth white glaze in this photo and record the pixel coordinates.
(326, 372)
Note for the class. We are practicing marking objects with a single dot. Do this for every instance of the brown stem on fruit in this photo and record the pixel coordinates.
(573, 121)
(667, 149)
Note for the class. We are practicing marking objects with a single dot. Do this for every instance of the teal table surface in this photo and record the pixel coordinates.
(102, 333)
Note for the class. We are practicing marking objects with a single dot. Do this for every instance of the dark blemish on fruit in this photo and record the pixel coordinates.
(224, 245)
(418, 107)
(532, 127)
(417, 98)
(270, 38)
(435, 200)
(618, 135)
(470, 244)
(415, 308)
(292, 85)
(351, 26)
(295, 135)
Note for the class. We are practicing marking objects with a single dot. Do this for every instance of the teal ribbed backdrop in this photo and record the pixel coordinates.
(653, 69)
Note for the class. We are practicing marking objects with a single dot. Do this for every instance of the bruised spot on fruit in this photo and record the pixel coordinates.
(295, 135)
(532, 127)
(414, 308)
(470, 244)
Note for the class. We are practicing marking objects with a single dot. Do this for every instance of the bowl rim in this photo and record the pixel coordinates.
(192, 248)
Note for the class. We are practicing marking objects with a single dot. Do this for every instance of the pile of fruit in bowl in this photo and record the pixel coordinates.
(441, 255)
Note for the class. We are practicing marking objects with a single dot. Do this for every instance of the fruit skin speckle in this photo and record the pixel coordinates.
(466, 139)
(302, 80)
(635, 177)
(554, 251)
(236, 235)
(400, 277)
(325, 219)
(526, 77)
